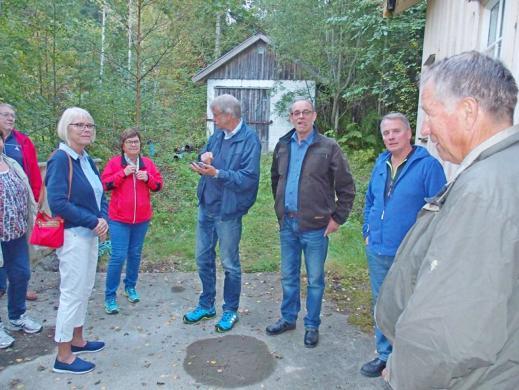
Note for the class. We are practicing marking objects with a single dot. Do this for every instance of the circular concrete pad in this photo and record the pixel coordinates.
(229, 361)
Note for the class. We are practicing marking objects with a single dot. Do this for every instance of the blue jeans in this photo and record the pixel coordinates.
(127, 241)
(3, 279)
(378, 268)
(17, 268)
(209, 230)
(314, 245)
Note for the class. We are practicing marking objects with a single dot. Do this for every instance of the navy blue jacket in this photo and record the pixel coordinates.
(240, 177)
(81, 209)
(386, 222)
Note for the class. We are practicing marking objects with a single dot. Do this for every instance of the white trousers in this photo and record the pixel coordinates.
(77, 269)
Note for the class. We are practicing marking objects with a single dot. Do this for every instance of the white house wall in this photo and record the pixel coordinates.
(280, 123)
(455, 26)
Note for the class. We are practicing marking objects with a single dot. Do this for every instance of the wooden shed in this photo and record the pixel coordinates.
(252, 73)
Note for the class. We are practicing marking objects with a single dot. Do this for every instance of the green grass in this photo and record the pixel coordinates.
(170, 243)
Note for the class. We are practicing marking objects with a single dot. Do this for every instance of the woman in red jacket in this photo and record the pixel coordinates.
(130, 177)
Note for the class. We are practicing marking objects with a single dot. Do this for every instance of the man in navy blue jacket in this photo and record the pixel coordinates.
(229, 169)
(403, 176)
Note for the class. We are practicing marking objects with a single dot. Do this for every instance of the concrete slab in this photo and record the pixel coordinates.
(148, 345)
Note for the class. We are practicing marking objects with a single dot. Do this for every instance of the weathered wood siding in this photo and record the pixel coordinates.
(257, 63)
(455, 26)
(255, 109)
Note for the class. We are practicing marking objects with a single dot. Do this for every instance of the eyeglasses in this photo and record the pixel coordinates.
(8, 115)
(297, 114)
(130, 142)
(83, 126)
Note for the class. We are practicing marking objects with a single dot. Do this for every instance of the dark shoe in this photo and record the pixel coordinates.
(78, 366)
(373, 368)
(90, 346)
(279, 327)
(311, 338)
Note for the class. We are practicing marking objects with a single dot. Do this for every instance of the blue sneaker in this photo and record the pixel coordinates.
(198, 314)
(111, 306)
(77, 367)
(90, 346)
(132, 294)
(226, 323)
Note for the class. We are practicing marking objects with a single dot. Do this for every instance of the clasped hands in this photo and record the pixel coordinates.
(140, 175)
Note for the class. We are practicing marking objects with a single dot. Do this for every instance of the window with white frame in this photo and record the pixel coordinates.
(494, 33)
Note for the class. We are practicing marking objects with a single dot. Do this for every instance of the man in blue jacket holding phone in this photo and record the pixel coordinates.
(229, 167)
(403, 176)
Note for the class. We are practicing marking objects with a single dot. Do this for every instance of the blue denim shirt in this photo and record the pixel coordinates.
(297, 155)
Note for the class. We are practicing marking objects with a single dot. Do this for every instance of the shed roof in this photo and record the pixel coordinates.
(398, 6)
(202, 74)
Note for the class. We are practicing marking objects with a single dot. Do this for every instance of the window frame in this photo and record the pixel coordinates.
(495, 47)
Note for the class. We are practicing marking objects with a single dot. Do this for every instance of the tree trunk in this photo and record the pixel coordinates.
(335, 113)
(54, 73)
(218, 35)
(102, 57)
(129, 35)
(138, 65)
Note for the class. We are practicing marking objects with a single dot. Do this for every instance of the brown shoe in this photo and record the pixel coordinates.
(31, 295)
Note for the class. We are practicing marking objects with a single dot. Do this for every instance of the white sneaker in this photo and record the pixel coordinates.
(5, 338)
(26, 323)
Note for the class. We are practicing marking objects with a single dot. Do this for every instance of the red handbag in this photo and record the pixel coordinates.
(50, 231)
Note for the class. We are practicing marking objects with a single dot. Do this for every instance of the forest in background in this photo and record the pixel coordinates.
(130, 63)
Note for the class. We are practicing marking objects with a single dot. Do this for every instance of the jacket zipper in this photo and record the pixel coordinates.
(134, 199)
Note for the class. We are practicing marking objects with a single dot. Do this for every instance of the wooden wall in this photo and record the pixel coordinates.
(257, 63)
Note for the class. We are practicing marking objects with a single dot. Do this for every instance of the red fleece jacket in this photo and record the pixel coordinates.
(30, 162)
(131, 201)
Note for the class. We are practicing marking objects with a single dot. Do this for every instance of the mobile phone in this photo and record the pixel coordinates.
(199, 163)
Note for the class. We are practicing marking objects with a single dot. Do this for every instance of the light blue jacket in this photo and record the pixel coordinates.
(387, 221)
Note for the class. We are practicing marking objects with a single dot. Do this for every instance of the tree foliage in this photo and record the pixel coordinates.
(54, 56)
(130, 62)
(364, 65)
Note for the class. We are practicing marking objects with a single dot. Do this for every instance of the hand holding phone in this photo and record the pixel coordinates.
(199, 164)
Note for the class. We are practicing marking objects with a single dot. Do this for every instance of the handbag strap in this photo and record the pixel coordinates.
(43, 192)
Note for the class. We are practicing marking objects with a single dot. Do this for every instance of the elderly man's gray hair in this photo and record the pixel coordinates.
(227, 104)
(300, 99)
(472, 74)
(396, 116)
